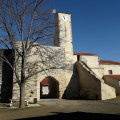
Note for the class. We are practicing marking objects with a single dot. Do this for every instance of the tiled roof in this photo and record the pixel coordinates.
(83, 54)
(113, 76)
(44, 81)
(109, 62)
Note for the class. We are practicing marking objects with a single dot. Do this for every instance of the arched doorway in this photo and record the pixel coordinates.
(49, 88)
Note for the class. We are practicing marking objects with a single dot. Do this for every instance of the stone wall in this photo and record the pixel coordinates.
(73, 86)
(115, 69)
(93, 62)
(107, 92)
(81, 82)
(63, 36)
(113, 83)
(33, 84)
(98, 71)
(60, 75)
(50, 61)
(91, 86)
(98, 68)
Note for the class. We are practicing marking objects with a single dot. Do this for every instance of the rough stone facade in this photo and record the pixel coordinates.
(76, 80)
(114, 82)
(91, 86)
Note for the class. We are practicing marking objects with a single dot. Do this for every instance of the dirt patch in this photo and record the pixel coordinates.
(67, 110)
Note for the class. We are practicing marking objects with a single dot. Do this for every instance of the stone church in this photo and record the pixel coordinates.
(77, 75)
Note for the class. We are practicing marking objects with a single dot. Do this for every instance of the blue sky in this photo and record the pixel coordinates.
(95, 26)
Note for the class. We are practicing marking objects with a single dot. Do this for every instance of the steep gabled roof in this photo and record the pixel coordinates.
(84, 54)
(109, 62)
(113, 76)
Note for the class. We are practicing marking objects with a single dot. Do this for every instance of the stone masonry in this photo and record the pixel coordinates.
(58, 62)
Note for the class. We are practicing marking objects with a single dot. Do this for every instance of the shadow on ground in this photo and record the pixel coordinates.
(76, 116)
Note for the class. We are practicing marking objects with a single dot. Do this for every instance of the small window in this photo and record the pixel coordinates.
(110, 72)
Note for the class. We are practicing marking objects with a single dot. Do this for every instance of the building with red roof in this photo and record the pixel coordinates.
(109, 62)
(60, 73)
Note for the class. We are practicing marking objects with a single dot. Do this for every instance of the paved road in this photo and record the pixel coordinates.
(67, 110)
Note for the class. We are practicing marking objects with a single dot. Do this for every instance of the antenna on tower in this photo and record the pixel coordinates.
(53, 11)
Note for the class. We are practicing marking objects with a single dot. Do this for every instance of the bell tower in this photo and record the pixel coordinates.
(63, 33)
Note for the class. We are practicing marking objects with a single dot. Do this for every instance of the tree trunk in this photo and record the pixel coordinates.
(22, 95)
(22, 83)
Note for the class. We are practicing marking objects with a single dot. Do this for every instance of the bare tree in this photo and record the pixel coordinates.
(25, 22)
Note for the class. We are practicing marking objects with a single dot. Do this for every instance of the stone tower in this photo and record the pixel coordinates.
(63, 36)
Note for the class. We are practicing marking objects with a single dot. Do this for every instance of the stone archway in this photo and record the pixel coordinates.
(49, 88)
